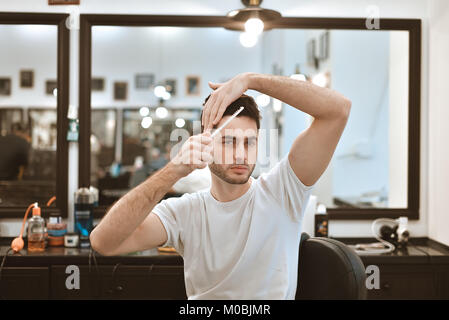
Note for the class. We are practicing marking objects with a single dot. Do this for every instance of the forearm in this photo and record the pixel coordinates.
(316, 101)
(132, 209)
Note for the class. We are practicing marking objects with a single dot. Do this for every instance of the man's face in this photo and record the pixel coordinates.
(235, 150)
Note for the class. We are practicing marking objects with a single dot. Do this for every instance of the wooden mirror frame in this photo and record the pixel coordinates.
(413, 26)
(63, 47)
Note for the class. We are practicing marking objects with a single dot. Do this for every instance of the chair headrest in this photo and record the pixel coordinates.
(328, 269)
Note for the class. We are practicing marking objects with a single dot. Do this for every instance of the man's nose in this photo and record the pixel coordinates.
(240, 153)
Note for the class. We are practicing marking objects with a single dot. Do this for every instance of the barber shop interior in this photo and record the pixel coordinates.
(224, 150)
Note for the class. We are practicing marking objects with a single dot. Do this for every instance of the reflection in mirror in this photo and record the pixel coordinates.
(148, 75)
(369, 168)
(27, 130)
(156, 79)
(102, 142)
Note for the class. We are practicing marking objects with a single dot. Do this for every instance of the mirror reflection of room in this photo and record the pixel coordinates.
(28, 114)
(149, 81)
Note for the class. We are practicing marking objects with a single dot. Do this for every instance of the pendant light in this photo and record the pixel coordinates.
(252, 18)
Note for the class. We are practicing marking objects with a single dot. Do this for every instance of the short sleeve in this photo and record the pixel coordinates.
(286, 188)
(173, 213)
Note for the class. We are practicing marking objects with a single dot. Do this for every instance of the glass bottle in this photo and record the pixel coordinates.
(56, 229)
(36, 231)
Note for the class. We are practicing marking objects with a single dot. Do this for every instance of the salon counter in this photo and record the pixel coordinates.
(74, 273)
(77, 256)
(419, 271)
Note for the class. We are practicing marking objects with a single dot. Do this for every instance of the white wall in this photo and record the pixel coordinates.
(398, 120)
(439, 117)
(213, 54)
(33, 48)
(309, 8)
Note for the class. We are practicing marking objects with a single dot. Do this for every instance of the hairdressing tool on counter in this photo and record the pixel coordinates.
(390, 234)
(17, 244)
(226, 122)
(71, 240)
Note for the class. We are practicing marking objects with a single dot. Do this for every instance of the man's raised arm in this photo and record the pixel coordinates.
(312, 150)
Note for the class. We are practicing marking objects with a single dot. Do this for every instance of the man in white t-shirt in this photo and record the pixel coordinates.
(239, 239)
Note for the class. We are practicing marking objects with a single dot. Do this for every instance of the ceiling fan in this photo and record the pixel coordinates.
(252, 16)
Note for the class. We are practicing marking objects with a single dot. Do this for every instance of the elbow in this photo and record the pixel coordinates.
(345, 108)
(97, 245)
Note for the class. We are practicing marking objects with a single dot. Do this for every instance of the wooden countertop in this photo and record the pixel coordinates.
(82, 256)
(418, 251)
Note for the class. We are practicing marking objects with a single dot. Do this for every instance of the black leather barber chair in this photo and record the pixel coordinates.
(328, 269)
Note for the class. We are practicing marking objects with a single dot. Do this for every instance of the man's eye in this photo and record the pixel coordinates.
(251, 142)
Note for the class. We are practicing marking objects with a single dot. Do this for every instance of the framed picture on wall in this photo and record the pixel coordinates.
(144, 81)
(324, 45)
(311, 53)
(97, 84)
(5, 86)
(170, 86)
(26, 78)
(193, 85)
(51, 87)
(120, 90)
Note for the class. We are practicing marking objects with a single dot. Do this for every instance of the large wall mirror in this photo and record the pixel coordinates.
(33, 111)
(124, 59)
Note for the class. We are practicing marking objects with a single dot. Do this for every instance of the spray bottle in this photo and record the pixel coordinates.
(36, 231)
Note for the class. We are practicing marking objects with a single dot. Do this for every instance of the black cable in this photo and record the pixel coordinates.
(1, 269)
(3, 262)
(92, 255)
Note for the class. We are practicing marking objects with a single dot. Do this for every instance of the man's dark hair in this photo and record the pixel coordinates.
(251, 110)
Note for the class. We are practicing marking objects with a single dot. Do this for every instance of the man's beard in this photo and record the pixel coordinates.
(221, 172)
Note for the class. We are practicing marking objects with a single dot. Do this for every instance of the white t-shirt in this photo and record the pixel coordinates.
(246, 248)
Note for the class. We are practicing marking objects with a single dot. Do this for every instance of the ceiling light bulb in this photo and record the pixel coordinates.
(320, 79)
(166, 95)
(263, 100)
(159, 91)
(254, 26)
(298, 76)
(146, 122)
(277, 105)
(161, 112)
(144, 111)
(248, 40)
(180, 122)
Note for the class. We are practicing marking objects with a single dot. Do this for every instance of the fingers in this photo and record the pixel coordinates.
(204, 138)
(207, 109)
(214, 85)
(197, 149)
(213, 112)
(196, 157)
(220, 110)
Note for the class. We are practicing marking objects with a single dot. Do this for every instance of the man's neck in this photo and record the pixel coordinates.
(225, 192)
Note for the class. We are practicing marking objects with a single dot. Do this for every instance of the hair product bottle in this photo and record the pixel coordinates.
(56, 229)
(84, 202)
(36, 231)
